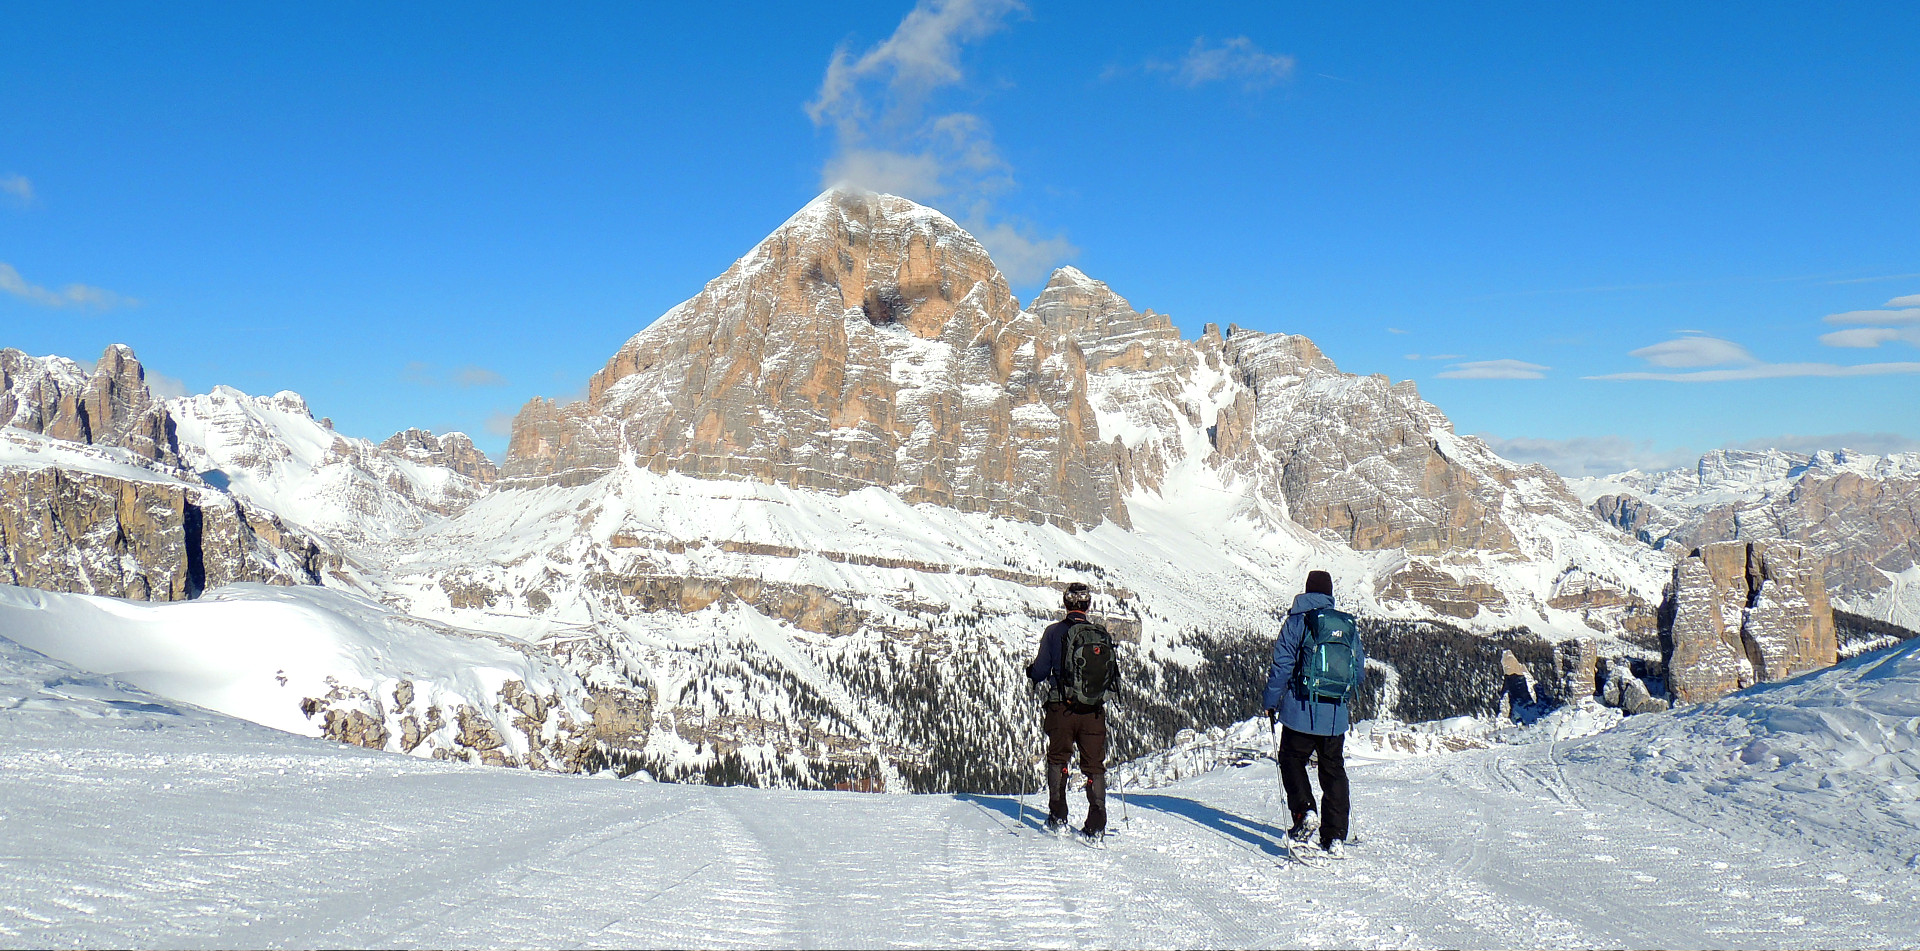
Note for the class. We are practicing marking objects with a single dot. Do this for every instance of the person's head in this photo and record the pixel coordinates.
(1319, 582)
(1077, 597)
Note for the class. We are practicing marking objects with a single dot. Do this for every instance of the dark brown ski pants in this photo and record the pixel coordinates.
(1067, 726)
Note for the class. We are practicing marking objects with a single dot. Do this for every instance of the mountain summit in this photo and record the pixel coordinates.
(868, 341)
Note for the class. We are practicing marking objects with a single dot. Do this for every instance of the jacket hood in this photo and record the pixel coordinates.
(1311, 601)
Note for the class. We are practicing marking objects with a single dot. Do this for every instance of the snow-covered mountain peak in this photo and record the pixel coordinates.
(1734, 467)
(271, 451)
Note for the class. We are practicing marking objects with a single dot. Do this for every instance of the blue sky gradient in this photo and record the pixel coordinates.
(426, 216)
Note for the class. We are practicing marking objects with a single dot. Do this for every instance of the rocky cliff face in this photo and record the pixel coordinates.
(88, 521)
(111, 406)
(867, 342)
(1746, 613)
(1859, 513)
(454, 452)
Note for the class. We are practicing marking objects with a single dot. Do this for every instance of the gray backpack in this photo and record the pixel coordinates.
(1092, 664)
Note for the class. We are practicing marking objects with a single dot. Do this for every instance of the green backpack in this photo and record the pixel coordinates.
(1326, 671)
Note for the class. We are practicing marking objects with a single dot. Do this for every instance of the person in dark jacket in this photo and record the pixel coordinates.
(1309, 726)
(1069, 724)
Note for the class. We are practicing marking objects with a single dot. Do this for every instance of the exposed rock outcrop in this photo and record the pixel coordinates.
(453, 451)
(1746, 613)
(112, 406)
(1860, 513)
(64, 528)
(868, 341)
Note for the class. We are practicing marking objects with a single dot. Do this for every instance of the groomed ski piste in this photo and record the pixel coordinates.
(1784, 816)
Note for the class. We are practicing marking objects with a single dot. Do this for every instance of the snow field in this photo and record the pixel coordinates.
(127, 820)
(255, 651)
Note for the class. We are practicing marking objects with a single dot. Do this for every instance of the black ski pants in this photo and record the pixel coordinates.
(1087, 729)
(1295, 748)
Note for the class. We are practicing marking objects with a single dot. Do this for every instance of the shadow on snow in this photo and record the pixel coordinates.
(1259, 835)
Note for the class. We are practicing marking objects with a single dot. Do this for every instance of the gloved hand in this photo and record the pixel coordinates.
(1272, 715)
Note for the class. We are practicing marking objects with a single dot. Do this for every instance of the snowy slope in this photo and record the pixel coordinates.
(126, 819)
(259, 652)
(272, 452)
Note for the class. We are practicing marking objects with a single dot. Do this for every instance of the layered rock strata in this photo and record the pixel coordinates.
(866, 342)
(454, 452)
(1746, 613)
(1860, 513)
(112, 406)
(70, 530)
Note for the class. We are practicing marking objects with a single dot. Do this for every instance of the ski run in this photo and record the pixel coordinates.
(1783, 816)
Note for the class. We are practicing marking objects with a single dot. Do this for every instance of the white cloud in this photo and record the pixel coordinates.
(1590, 455)
(79, 296)
(1395, 330)
(470, 376)
(894, 173)
(1871, 336)
(18, 187)
(1494, 370)
(1904, 316)
(1237, 59)
(1023, 257)
(1911, 300)
(888, 138)
(877, 106)
(1694, 351)
(166, 387)
(500, 423)
(1767, 371)
(426, 374)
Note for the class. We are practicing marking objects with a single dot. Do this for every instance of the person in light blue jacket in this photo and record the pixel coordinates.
(1310, 726)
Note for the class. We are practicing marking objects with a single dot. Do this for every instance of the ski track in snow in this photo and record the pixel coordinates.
(128, 820)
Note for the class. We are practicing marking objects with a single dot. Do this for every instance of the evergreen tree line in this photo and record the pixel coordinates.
(958, 702)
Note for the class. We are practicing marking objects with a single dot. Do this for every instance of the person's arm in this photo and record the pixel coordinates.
(1048, 657)
(1286, 652)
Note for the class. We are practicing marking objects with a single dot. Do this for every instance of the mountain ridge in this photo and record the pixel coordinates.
(805, 524)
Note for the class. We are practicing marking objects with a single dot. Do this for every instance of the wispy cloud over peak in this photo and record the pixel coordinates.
(75, 296)
(1911, 300)
(889, 138)
(877, 105)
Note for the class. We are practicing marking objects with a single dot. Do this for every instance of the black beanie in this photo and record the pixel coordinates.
(1078, 597)
(1319, 582)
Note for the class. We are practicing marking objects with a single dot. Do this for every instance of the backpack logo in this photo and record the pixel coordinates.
(1092, 670)
(1326, 670)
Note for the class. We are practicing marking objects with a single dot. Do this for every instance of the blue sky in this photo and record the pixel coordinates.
(1611, 236)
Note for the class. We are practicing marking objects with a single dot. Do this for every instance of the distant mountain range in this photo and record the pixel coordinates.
(805, 527)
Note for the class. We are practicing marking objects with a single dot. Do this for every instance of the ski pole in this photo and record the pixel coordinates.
(1279, 777)
(1023, 810)
(1122, 787)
